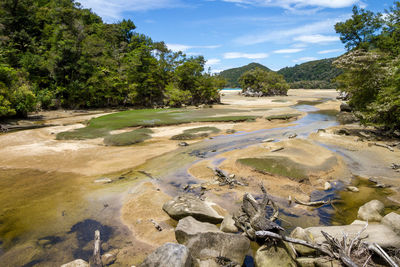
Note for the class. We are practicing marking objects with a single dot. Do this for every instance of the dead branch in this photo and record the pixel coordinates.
(96, 258)
(378, 250)
(264, 234)
(312, 203)
(224, 179)
(385, 146)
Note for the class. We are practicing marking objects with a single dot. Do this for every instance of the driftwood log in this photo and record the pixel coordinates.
(351, 252)
(96, 258)
(252, 216)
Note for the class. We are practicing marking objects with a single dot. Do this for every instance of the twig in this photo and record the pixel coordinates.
(156, 225)
(385, 146)
(312, 203)
(263, 234)
(96, 258)
(378, 250)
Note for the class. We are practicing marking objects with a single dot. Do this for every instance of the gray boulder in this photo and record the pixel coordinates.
(188, 227)
(305, 235)
(167, 255)
(393, 221)
(187, 205)
(206, 246)
(375, 233)
(278, 255)
(76, 263)
(371, 211)
(345, 107)
(228, 225)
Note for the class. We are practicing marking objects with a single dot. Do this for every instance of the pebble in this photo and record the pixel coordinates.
(353, 189)
(327, 186)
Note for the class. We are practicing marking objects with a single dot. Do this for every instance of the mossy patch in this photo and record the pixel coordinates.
(282, 117)
(194, 133)
(310, 102)
(128, 138)
(279, 101)
(101, 126)
(277, 166)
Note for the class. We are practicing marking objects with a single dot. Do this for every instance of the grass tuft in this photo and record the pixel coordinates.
(194, 133)
(282, 117)
(128, 138)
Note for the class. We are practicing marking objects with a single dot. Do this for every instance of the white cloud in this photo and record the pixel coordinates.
(183, 48)
(330, 51)
(112, 10)
(303, 59)
(233, 55)
(213, 61)
(287, 34)
(296, 4)
(316, 38)
(288, 51)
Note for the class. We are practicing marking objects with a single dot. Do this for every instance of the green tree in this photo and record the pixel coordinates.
(265, 82)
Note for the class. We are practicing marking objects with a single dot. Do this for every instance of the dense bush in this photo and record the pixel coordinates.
(265, 82)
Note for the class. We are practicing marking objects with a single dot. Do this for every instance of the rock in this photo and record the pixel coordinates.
(109, 258)
(228, 225)
(358, 222)
(183, 144)
(278, 255)
(327, 186)
(189, 227)
(207, 263)
(104, 180)
(346, 118)
(76, 263)
(305, 235)
(169, 254)
(378, 233)
(343, 132)
(294, 135)
(345, 107)
(205, 246)
(230, 131)
(232, 175)
(393, 221)
(371, 211)
(321, 131)
(268, 140)
(188, 205)
(318, 262)
(353, 189)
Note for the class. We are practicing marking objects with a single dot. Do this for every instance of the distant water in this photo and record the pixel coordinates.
(231, 89)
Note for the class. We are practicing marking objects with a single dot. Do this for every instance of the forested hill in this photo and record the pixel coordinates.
(312, 74)
(232, 75)
(54, 53)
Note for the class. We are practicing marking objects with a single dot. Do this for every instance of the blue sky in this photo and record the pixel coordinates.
(232, 33)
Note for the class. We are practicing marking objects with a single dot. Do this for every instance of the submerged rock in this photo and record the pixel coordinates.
(187, 205)
(375, 233)
(76, 263)
(188, 227)
(169, 254)
(393, 221)
(274, 255)
(371, 211)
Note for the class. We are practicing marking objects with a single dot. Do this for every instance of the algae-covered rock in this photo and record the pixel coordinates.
(274, 255)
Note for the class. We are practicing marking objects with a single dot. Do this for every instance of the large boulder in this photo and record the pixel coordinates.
(188, 205)
(228, 225)
(375, 233)
(169, 254)
(371, 211)
(274, 255)
(188, 227)
(393, 221)
(210, 245)
(345, 107)
(302, 234)
(76, 263)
